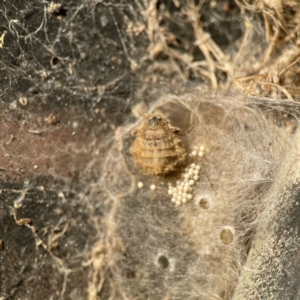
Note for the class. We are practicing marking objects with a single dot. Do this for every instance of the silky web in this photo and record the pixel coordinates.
(197, 250)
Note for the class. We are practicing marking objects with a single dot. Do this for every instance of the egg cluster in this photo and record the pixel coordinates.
(183, 191)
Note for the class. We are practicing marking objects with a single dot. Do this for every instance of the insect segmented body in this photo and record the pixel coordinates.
(156, 149)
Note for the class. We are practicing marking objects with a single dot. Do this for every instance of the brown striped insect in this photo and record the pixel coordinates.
(156, 149)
